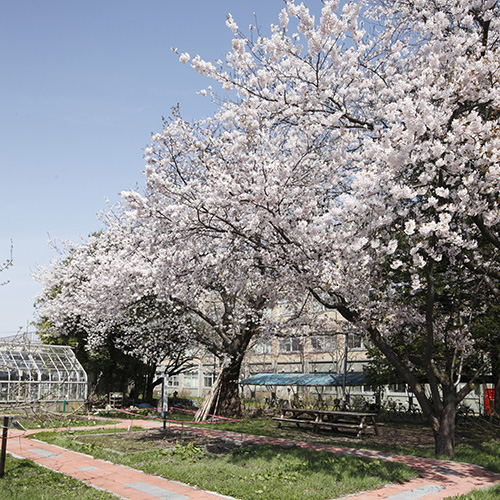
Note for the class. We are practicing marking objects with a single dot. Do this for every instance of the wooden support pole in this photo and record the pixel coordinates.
(4, 445)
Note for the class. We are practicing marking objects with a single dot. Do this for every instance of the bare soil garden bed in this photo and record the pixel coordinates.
(136, 441)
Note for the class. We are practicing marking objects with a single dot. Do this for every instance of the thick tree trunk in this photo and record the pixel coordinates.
(224, 398)
(443, 428)
(228, 403)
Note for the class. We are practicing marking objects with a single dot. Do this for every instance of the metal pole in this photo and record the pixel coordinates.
(165, 400)
(344, 378)
(4, 445)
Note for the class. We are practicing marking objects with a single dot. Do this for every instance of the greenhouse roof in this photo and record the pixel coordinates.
(33, 371)
(307, 379)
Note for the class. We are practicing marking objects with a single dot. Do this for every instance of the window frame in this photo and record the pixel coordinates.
(286, 345)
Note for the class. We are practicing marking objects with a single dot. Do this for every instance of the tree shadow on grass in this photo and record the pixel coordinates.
(294, 459)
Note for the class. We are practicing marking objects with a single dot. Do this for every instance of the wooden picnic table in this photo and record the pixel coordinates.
(334, 420)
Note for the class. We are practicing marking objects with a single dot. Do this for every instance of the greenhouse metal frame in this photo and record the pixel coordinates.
(39, 372)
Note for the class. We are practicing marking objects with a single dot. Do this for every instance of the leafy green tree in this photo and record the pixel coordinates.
(115, 364)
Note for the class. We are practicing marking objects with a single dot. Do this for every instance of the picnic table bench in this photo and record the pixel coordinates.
(334, 420)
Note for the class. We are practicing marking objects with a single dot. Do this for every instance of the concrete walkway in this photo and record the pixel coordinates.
(438, 479)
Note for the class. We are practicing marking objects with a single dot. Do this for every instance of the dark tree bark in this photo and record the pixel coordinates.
(224, 398)
(228, 402)
(443, 425)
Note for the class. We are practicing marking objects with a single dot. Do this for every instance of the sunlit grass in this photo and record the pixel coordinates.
(274, 473)
(250, 472)
(24, 480)
(486, 494)
(477, 443)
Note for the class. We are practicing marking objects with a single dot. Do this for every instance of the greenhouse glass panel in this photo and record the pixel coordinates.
(37, 372)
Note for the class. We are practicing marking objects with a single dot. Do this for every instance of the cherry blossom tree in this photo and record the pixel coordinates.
(78, 303)
(216, 277)
(206, 292)
(357, 161)
(360, 158)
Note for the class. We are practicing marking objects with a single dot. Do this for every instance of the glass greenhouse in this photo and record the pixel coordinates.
(37, 372)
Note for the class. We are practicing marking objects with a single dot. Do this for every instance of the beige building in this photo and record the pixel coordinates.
(322, 353)
(331, 348)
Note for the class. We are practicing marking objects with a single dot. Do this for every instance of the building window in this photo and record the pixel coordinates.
(397, 388)
(355, 341)
(191, 380)
(327, 342)
(366, 389)
(323, 367)
(291, 345)
(317, 344)
(263, 347)
(173, 381)
(208, 380)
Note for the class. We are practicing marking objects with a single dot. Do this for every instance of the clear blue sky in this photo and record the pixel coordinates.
(83, 84)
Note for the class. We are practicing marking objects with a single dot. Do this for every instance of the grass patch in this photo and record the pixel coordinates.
(487, 494)
(476, 443)
(25, 480)
(485, 453)
(247, 472)
(274, 473)
(46, 421)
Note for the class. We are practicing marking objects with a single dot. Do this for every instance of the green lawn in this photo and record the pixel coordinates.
(247, 472)
(488, 494)
(477, 442)
(270, 472)
(24, 480)
(47, 421)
